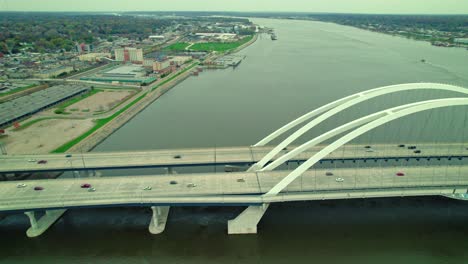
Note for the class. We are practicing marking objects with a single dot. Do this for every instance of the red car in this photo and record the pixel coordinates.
(38, 188)
(400, 174)
(42, 162)
(85, 185)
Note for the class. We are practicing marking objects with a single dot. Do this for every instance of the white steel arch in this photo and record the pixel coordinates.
(336, 107)
(388, 117)
(330, 134)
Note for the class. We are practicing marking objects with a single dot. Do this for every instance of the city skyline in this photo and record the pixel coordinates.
(330, 6)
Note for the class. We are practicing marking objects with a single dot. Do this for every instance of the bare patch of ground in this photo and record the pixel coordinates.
(100, 102)
(45, 136)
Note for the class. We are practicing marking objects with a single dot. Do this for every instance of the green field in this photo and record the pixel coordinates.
(177, 46)
(220, 47)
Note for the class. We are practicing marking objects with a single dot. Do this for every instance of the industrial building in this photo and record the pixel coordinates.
(16, 109)
(53, 72)
(128, 73)
(129, 54)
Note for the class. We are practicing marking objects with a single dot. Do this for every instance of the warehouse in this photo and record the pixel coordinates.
(14, 110)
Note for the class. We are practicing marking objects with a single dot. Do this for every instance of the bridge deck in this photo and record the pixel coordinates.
(207, 156)
(231, 188)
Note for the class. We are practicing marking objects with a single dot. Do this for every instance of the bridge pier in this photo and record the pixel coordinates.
(246, 222)
(159, 219)
(40, 226)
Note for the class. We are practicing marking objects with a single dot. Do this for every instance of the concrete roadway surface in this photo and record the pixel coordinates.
(206, 156)
(242, 188)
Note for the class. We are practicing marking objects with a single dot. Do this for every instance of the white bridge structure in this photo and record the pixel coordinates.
(261, 184)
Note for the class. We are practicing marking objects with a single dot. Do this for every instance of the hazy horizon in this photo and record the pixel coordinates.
(299, 6)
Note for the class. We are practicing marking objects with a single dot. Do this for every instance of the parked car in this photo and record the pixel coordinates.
(328, 173)
(38, 188)
(42, 162)
(85, 185)
(400, 174)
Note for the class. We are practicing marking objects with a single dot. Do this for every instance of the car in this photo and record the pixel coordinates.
(32, 160)
(400, 174)
(68, 156)
(85, 185)
(329, 173)
(147, 188)
(367, 147)
(177, 157)
(191, 185)
(411, 147)
(339, 180)
(91, 189)
(173, 182)
(38, 188)
(240, 180)
(21, 185)
(417, 151)
(401, 146)
(42, 162)
(369, 150)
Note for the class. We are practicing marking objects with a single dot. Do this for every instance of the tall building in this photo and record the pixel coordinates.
(129, 54)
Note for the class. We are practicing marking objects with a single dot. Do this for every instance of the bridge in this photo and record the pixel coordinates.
(440, 169)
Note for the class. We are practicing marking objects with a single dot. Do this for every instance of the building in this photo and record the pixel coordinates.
(461, 40)
(129, 54)
(179, 60)
(161, 65)
(93, 57)
(156, 37)
(83, 47)
(131, 74)
(53, 72)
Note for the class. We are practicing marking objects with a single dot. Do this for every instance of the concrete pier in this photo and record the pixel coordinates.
(159, 219)
(246, 222)
(40, 226)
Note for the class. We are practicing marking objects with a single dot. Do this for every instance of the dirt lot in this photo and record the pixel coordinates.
(100, 102)
(45, 136)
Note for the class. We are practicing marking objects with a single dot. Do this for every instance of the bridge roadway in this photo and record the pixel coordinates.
(210, 156)
(242, 188)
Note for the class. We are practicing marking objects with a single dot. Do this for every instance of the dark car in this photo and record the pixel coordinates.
(417, 151)
(400, 174)
(401, 146)
(85, 185)
(411, 147)
(38, 188)
(42, 162)
(177, 157)
(68, 156)
(367, 147)
(329, 173)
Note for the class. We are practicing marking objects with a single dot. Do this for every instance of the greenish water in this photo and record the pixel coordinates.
(310, 64)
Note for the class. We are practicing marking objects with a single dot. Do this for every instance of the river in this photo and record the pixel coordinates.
(311, 64)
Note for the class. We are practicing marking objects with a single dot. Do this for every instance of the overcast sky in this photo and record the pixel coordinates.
(341, 6)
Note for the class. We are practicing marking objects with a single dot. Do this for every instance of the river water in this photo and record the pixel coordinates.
(311, 64)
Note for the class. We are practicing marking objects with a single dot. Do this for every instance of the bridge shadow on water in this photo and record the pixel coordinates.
(399, 230)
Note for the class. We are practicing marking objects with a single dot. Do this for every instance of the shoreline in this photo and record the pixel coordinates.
(98, 136)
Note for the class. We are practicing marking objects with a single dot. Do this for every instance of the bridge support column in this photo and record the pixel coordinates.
(246, 222)
(40, 226)
(159, 219)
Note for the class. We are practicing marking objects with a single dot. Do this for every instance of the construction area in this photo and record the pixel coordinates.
(19, 108)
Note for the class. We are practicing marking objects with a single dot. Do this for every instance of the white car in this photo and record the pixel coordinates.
(339, 180)
(147, 188)
(32, 160)
(21, 185)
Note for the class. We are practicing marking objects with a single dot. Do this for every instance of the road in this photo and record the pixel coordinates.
(207, 156)
(241, 188)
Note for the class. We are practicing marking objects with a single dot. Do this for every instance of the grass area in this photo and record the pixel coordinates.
(19, 89)
(177, 46)
(99, 123)
(220, 46)
(172, 78)
(61, 108)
